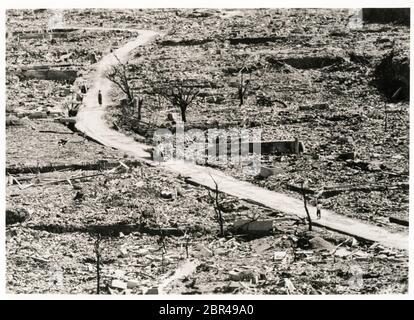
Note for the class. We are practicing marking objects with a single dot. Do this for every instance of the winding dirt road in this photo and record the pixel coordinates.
(90, 120)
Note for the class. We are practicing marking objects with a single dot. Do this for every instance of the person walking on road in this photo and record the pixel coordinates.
(100, 98)
(318, 209)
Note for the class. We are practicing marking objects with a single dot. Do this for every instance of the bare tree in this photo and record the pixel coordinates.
(118, 74)
(187, 242)
(303, 189)
(180, 93)
(97, 250)
(162, 242)
(139, 103)
(217, 207)
(243, 86)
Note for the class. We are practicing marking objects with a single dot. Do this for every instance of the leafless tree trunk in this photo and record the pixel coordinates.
(243, 86)
(118, 74)
(217, 209)
(187, 241)
(140, 103)
(97, 251)
(163, 247)
(306, 206)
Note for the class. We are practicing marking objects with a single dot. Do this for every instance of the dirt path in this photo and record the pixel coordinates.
(90, 120)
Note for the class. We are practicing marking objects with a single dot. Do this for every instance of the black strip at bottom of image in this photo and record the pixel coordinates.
(218, 309)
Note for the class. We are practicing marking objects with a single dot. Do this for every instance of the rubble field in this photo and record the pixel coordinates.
(38, 143)
(147, 238)
(311, 78)
(76, 209)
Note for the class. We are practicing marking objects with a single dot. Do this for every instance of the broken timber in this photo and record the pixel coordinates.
(399, 221)
(109, 229)
(100, 165)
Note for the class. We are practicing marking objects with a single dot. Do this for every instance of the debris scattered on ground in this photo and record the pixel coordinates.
(313, 81)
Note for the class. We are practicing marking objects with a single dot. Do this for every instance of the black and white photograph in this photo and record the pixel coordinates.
(214, 151)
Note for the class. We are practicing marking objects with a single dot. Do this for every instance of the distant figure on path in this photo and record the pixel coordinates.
(100, 98)
(318, 209)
